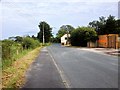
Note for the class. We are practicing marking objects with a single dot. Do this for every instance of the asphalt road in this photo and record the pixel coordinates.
(43, 73)
(85, 69)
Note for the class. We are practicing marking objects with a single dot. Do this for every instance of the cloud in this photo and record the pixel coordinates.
(0, 21)
(53, 8)
(60, 1)
(24, 15)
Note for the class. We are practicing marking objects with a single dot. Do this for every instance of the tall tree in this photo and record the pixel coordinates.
(99, 25)
(44, 26)
(94, 24)
(111, 25)
(64, 29)
(118, 26)
(106, 26)
(67, 28)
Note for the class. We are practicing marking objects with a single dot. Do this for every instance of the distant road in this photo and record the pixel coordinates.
(84, 69)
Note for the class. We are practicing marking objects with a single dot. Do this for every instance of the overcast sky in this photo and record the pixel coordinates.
(21, 17)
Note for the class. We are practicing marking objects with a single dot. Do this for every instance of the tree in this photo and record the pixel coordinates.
(29, 42)
(106, 26)
(64, 29)
(18, 39)
(118, 26)
(99, 25)
(67, 28)
(47, 32)
(60, 33)
(111, 25)
(94, 24)
(35, 38)
(81, 35)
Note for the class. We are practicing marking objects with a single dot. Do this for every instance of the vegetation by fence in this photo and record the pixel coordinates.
(14, 75)
(14, 49)
(17, 55)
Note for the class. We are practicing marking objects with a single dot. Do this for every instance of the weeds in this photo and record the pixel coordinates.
(14, 75)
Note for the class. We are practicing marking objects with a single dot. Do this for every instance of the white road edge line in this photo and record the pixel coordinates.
(60, 72)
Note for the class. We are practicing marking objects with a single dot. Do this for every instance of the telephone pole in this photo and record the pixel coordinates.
(67, 35)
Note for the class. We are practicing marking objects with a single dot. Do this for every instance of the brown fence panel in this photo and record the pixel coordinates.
(109, 41)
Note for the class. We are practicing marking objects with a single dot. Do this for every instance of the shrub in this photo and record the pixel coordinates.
(81, 35)
(30, 43)
(10, 48)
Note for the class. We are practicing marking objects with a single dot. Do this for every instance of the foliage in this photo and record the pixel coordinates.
(15, 46)
(47, 32)
(63, 30)
(13, 76)
(106, 26)
(10, 48)
(35, 38)
(118, 26)
(81, 35)
(55, 40)
(16, 39)
(111, 25)
(30, 43)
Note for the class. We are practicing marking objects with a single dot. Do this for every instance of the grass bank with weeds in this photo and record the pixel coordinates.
(8, 62)
(14, 75)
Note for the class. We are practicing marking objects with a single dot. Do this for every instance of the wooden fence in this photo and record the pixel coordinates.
(106, 41)
(109, 41)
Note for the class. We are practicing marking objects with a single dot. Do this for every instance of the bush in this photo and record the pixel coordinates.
(81, 35)
(12, 50)
(30, 43)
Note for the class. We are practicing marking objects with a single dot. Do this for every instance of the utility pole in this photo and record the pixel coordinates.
(43, 34)
(67, 35)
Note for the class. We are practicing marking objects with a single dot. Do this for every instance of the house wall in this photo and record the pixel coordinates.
(63, 40)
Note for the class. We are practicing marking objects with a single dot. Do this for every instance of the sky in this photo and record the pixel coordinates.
(21, 17)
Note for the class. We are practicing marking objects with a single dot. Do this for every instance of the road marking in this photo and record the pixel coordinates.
(61, 73)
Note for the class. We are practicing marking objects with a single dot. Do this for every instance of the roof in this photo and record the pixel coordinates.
(65, 35)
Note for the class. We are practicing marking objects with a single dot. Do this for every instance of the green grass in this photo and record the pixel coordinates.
(6, 63)
(14, 75)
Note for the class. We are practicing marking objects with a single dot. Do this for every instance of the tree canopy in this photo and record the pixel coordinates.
(81, 35)
(64, 29)
(106, 26)
(47, 32)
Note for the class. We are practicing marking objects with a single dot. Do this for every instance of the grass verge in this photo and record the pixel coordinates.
(14, 75)
(8, 62)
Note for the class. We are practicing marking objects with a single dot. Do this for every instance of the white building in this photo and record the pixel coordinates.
(64, 39)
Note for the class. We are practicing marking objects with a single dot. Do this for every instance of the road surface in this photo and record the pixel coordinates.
(85, 69)
(43, 73)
